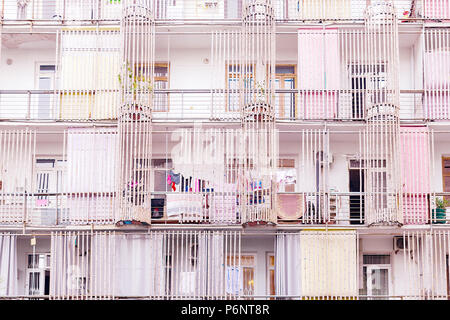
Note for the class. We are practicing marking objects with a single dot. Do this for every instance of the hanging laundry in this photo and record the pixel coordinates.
(175, 177)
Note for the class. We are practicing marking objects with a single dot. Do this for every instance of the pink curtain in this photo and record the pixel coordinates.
(437, 9)
(415, 153)
(318, 72)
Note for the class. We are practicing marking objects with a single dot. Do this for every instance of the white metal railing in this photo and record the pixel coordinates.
(425, 258)
(158, 265)
(210, 264)
(436, 74)
(168, 10)
(191, 104)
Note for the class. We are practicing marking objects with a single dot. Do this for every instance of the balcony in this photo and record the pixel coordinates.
(78, 186)
(166, 11)
(210, 104)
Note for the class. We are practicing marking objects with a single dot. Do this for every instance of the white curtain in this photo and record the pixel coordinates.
(8, 265)
(82, 265)
(88, 73)
(91, 164)
(287, 265)
(16, 165)
(70, 265)
(198, 261)
(101, 282)
(139, 265)
(216, 261)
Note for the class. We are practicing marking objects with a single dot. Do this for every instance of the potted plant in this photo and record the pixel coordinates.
(439, 214)
(133, 84)
(259, 110)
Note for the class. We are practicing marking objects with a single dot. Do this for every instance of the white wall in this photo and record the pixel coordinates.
(21, 74)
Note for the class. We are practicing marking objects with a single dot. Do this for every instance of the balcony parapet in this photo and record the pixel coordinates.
(213, 104)
(51, 209)
(97, 11)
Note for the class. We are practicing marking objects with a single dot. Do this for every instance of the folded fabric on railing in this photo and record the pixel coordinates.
(185, 206)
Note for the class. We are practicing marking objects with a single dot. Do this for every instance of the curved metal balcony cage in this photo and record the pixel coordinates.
(259, 137)
(258, 61)
(381, 140)
(135, 111)
(382, 40)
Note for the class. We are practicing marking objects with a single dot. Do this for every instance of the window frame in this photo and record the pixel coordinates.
(238, 258)
(281, 77)
(377, 266)
(235, 75)
(269, 268)
(51, 97)
(41, 272)
(167, 79)
(444, 175)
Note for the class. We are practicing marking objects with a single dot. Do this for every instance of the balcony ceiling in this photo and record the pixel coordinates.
(28, 41)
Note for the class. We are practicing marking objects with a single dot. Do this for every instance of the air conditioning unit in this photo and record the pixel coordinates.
(323, 158)
(400, 244)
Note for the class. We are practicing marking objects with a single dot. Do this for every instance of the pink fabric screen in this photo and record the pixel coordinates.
(415, 152)
(290, 206)
(317, 104)
(437, 9)
(318, 72)
(437, 84)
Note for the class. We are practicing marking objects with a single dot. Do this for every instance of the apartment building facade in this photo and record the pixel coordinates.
(224, 149)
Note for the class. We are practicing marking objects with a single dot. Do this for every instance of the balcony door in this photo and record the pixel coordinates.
(46, 78)
(377, 282)
(38, 274)
(356, 184)
(285, 78)
(376, 277)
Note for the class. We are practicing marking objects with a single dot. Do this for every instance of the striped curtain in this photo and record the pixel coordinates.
(328, 264)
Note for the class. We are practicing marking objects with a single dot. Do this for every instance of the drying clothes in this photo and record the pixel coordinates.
(174, 177)
(22, 9)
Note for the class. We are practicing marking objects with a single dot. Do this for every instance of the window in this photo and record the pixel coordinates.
(286, 175)
(447, 269)
(161, 100)
(49, 176)
(45, 9)
(233, 9)
(285, 78)
(446, 175)
(234, 75)
(137, 188)
(271, 274)
(367, 77)
(38, 274)
(376, 276)
(161, 170)
(46, 77)
(246, 274)
(377, 183)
